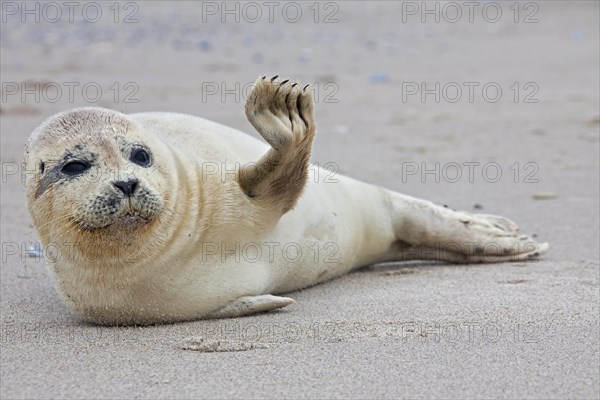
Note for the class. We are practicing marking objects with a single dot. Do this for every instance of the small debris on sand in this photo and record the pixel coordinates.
(379, 77)
(216, 345)
(545, 196)
(401, 271)
(513, 281)
(34, 251)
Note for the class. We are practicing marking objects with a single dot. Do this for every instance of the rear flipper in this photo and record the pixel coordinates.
(427, 231)
(249, 305)
(476, 254)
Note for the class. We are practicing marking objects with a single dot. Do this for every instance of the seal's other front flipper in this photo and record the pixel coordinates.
(249, 305)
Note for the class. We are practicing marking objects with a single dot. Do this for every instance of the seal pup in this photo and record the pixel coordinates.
(164, 217)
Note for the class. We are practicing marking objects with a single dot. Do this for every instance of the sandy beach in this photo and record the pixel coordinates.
(485, 107)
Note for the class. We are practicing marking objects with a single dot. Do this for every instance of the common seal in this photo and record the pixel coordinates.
(163, 217)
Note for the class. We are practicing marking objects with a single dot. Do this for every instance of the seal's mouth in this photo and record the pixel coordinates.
(127, 221)
(114, 212)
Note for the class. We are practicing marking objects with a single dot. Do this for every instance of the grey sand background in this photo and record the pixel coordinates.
(407, 330)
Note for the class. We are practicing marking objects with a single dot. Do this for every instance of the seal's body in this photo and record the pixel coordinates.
(162, 217)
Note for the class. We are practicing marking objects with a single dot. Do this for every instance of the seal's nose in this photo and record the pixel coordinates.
(127, 187)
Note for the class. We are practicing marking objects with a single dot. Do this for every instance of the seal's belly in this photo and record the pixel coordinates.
(329, 233)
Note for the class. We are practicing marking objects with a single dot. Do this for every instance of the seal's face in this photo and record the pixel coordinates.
(109, 183)
(92, 170)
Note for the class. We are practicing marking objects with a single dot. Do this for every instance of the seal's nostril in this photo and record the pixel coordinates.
(127, 187)
(133, 185)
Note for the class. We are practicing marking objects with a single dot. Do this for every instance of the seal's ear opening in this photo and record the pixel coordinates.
(42, 167)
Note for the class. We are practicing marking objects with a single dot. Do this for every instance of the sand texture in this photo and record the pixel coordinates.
(404, 330)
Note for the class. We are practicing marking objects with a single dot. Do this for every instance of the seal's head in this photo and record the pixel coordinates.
(94, 172)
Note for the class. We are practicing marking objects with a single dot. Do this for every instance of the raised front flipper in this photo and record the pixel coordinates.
(282, 112)
(249, 305)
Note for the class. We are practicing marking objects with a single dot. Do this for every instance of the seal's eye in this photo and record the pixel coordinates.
(75, 168)
(140, 157)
